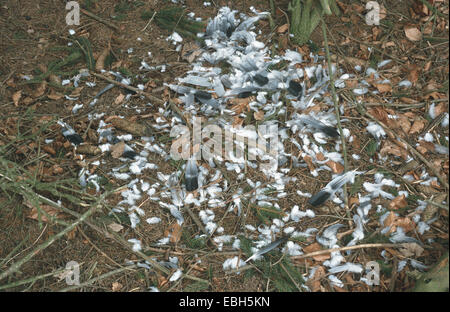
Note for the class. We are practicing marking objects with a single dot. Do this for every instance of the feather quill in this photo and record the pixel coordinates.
(268, 248)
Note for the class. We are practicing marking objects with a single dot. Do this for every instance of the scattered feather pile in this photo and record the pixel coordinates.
(235, 65)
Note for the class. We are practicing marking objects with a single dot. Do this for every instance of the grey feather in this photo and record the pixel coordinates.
(268, 248)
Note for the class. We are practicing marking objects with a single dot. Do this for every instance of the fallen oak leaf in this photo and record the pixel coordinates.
(413, 33)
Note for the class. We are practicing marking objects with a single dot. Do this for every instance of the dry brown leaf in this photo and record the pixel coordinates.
(379, 113)
(390, 219)
(49, 150)
(259, 115)
(410, 250)
(428, 146)
(131, 127)
(383, 88)
(413, 73)
(190, 51)
(10, 83)
(116, 286)
(40, 90)
(55, 95)
(28, 100)
(100, 63)
(417, 126)
(440, 108)
(16, 97)
(51, 211)
(240, 105)
(283, 41)
(413, 33)
(54, 79)
(353, 201)
(115, 227)
(308, 161)
(335, 166)
(398, 202)
(406, 223)
(76, 92)
(316, 247)
(383, 12)
(56, 170)
(429, 212)
(175, 233)
(282, 28)
(388, 44)
(237, 122)
(117, 149)
(320, 156)
(89, 149)
(375, 32)
(119, 99)
(404, 123)
(393, 149)
(408, 100)
(314, 282)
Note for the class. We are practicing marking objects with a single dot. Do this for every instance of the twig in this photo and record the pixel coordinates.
(98, 249)
(326, 251)
(10, 255)
(31, 279)
(292, 279)
(147, 95)
(151, 19)
(93, 280)
(138, 91)
(196, 220)
(180, 113)
(117, 238)
(394, 275)
(437, 204)
(240, 269)
(99, 19)
(16, 266)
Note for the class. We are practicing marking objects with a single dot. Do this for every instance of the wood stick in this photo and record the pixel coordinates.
(99, 19)
(326, 251)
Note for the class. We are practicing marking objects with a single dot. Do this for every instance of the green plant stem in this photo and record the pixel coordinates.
(336, 108)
